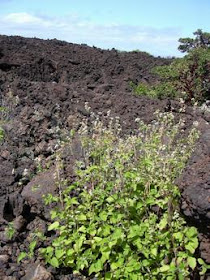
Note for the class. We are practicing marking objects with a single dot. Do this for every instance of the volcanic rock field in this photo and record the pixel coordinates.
(46, 85)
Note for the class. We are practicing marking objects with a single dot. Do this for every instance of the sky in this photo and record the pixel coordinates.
(153, 26)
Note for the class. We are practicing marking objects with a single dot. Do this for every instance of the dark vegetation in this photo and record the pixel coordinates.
(94, 178)
(187, 77)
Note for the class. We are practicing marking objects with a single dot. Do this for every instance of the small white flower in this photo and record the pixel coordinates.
(195, 123)
(25, 172)
(181, 100)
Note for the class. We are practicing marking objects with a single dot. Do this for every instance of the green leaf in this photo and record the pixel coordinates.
(191, 262)
(191, 232)
(53, 226)
(154, 251)
(110, 199)
(96, 267)
(203, 270)
(164, 268)
(103, 216)
(97, 239)
(106, 230)
(53, 214)
(108, 276)
(54, 262)
(111, 244)
(145, 263)
(133, 276)
(163, 223)
(201, 261)
(74, 201)
(133, 265)
(134, 231)
(59, 253)
(79, 243)
(118, 234)
(138, 243)
(21, 256)
(181, 276)
(82, 217)
(178, 235)
(49, 250)
(82, 229)
(118, 263)
(70, 252)
(204, 266)
(105, 256)
(192, 246)
(92, 232)
(32, 247)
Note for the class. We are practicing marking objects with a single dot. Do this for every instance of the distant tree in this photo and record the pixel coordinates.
(202, 40)
(187, 77)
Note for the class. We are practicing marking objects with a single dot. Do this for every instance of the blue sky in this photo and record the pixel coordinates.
(149, 25)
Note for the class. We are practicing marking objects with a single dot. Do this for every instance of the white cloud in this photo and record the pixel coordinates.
(25, 18)
(74, 29)
(21, 18)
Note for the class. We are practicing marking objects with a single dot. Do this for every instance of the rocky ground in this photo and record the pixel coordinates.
(45, 86)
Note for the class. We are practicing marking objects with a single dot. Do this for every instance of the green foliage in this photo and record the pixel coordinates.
(204, 266)
(202, 40)
(21, 256)
(143, 89)
(187, 77)
(124, 221)
(10, 230)
(1, 134)
(33, 242)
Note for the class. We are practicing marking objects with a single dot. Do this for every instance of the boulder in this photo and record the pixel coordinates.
(37, 272)
(33, 193)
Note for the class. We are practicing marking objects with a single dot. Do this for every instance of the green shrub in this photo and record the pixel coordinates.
(187, 77)
(160, 90)
(124, 222)
(143, 89)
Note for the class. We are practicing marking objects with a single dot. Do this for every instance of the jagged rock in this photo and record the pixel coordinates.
(42, 184)
(19, 223)
(4, 259)
(195, 182)
(205, 247)
(3, 237)
(6, 172)
(14, 206)
(37, 272)
(37, 225)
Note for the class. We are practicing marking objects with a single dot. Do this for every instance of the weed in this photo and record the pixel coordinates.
(124, 222)
(10, 231)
